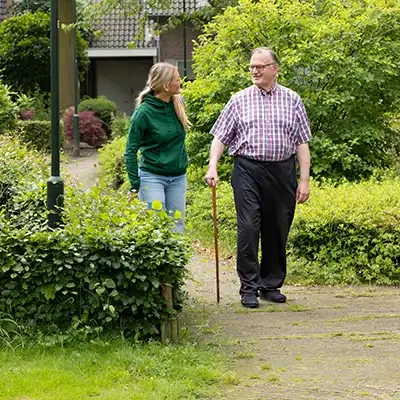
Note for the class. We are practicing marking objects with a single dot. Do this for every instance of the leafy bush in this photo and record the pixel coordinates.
(120, 126)
(103, 270)
(328, 54)
(36, 134)
(112, 163)
(8, 110)
(25, 52)
(346, 234)
(350, 234)
(23, 175)
(40, 105)
(103, 108)
(90, 127)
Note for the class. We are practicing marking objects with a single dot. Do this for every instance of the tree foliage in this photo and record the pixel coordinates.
(11, 104)
(201, 16)
(342, 58)
(24, 6)
(25, 52)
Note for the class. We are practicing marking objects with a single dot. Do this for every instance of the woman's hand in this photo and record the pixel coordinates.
(132, 195)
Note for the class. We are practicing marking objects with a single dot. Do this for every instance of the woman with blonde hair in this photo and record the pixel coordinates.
(158, 129)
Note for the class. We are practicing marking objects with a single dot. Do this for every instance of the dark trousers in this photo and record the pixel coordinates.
(265, 199)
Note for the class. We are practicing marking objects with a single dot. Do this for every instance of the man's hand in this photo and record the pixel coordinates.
(211, 177)
(303, 191)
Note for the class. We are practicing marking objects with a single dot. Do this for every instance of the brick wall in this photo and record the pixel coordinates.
(171, 44)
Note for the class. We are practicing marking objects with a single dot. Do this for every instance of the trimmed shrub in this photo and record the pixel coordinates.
(343, 235)
(120, 126)
(349, 234)
(102, 271)
(112, 163)
(90, 127)
(103, 108)
(37, 134)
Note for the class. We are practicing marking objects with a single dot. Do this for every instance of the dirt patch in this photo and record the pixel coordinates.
(324, 343)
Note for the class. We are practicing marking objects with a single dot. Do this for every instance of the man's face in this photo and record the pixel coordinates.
(263, 69)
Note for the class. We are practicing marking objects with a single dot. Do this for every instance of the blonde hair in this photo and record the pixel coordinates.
(162, 74)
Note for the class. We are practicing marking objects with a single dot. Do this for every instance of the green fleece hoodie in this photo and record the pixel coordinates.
(156, 130)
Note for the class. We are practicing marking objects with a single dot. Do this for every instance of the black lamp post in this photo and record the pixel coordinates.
(76, 149)
(55, 185)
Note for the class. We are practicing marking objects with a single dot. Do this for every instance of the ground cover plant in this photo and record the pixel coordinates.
(112, 370)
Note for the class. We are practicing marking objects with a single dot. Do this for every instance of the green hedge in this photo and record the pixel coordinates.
(102, 271)
(344, 235)
(37, 134)
(349, 234)
(112, 164)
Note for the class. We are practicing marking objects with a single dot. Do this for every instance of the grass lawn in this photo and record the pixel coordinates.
(116, 370)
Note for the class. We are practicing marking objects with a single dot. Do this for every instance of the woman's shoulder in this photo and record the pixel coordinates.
(140, 111)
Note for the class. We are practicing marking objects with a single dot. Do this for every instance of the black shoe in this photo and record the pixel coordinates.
(249, 300)
(272, 295)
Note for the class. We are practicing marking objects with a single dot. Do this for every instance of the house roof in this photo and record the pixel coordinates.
(119, 29)
(3, 9)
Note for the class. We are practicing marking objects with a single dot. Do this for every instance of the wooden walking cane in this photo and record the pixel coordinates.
(214, 199)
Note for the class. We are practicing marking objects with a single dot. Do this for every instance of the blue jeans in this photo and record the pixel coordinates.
(169, 190)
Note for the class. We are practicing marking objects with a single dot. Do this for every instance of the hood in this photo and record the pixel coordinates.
(155, 101)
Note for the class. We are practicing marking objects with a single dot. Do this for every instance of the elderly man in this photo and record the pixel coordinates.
(266, 128)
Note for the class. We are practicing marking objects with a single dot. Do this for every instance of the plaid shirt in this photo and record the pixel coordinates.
(264, 126)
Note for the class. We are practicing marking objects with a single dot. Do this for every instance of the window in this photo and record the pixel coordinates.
(189, 70)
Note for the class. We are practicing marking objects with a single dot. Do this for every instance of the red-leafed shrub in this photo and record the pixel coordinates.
(27, 114)
(90, 127)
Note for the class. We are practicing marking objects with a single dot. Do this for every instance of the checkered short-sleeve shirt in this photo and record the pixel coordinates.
(265, 126)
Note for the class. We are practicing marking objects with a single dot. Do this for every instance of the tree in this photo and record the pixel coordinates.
(201, 16)
(25, 52)
(24, 6)
(341, 57)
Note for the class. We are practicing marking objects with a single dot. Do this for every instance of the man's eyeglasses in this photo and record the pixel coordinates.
(260, 68)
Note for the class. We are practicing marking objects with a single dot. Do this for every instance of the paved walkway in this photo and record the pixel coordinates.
(325, 343)
(85, 168)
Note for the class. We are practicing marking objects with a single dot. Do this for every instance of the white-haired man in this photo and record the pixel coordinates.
(266, 129)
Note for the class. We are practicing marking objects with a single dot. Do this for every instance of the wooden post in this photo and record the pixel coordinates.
(170, 327)
(66, 55)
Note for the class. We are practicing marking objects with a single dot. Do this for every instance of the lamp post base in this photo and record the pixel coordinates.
(55, 200)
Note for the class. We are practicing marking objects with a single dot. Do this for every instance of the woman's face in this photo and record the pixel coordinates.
(174, 87)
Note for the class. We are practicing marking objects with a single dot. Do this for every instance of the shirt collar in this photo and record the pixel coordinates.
(270, 92)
